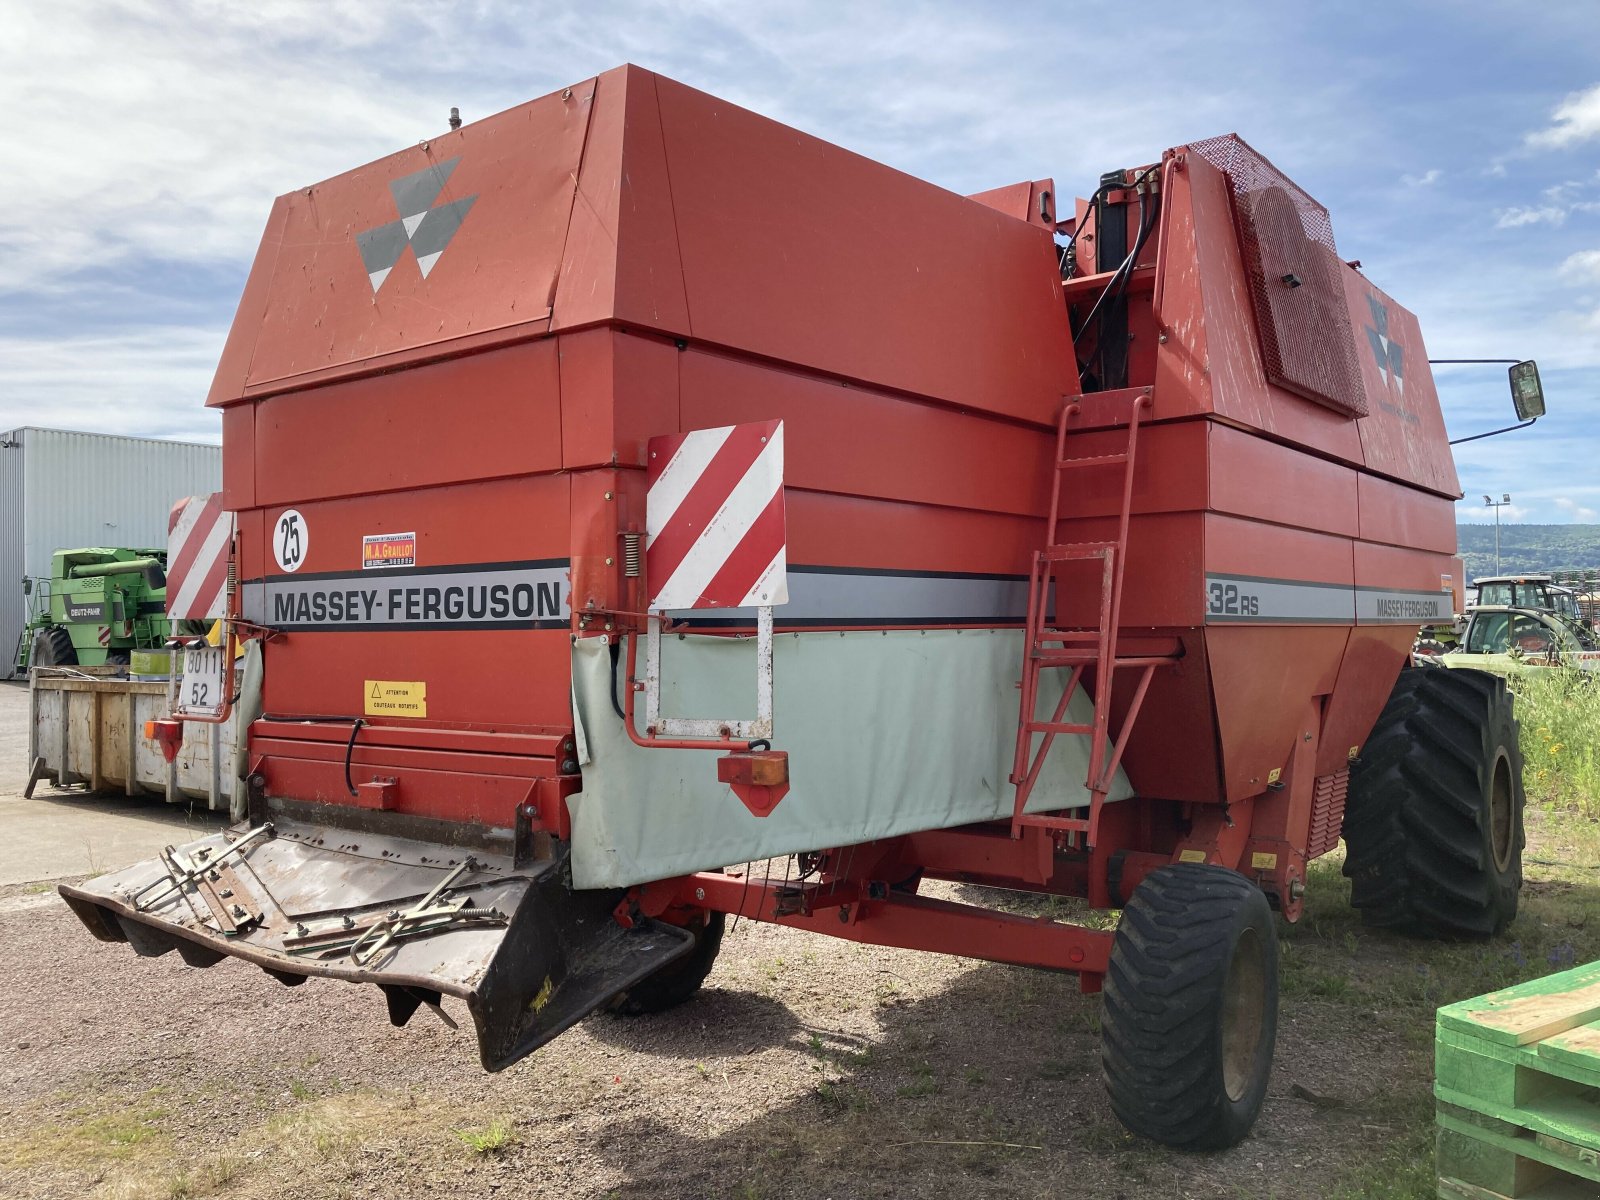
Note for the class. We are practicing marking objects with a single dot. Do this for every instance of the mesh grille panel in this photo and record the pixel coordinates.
(1327, 812)
(1296, 286)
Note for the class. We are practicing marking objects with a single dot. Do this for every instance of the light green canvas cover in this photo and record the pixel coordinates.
(887, 733)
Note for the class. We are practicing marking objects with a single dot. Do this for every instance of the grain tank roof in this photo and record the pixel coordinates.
(631, 198)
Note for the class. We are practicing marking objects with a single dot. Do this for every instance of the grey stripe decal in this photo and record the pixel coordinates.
(1247, 599)
(818, 596)
(508, 596)
(499, 597)
(456, 598)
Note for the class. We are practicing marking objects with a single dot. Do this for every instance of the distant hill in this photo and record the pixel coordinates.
(1530, 548)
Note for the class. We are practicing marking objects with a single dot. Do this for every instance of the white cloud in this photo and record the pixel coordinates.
(1575, 511)
(1514, 218)
(1575, 119)
(1470, 512)
(1584, 266)
(191, 120)
(194, 115)
(158, 132)
(149, 381)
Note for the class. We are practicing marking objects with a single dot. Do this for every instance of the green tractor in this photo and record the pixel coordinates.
(100, 606)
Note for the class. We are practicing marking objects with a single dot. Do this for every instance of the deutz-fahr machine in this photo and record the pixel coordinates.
(99, 606)
(630, 488)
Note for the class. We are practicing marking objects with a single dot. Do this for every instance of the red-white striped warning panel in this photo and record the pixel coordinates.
(199, 540)
(714, 518)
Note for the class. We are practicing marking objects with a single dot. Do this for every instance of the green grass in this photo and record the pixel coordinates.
(1395, 984)
(1559, 712)
(491, 1139)
(923, 1083)
(87, 1134)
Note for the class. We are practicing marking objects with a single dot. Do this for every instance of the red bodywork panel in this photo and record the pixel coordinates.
(469, 342)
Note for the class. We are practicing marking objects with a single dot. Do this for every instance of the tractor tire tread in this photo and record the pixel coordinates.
(1159, 1045)
(1418, 853)
(52, 647)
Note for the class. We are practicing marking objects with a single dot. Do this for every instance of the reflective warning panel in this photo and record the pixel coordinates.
(715, 519)
(199, 544)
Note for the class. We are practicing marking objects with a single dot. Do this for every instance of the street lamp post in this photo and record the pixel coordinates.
(1497, 505)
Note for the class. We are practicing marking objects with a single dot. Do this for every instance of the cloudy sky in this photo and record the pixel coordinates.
(1457, 145)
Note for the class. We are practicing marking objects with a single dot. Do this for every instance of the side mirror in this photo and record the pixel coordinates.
(1526, 392)
(154, 576)
(27, 585)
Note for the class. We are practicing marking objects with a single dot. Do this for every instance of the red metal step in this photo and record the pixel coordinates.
(1071, 551)
(1069, 658)
(1058, 727)
(1091, 460)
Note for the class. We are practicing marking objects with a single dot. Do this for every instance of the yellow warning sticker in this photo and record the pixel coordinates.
(1191, 856)
(1263, 862)
(390, 698)
(1274, 775)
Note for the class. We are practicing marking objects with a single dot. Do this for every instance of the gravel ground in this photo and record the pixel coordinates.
(807, 1067)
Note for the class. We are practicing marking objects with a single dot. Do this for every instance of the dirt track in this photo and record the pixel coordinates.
(806, 1068)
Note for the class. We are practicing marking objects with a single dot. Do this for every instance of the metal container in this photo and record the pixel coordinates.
(86, 730)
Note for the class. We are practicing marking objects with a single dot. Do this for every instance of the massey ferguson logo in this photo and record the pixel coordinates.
(1387, 351)
(425, 229)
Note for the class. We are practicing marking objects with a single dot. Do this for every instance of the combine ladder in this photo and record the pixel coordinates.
(1051, 645)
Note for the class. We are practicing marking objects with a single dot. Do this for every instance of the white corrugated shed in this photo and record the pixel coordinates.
(61, 489)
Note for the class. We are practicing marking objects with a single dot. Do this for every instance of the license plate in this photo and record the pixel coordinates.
(200, 684)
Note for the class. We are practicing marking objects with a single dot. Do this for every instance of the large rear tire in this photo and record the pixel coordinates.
(52, 647)
(677, 981)
(1433, 820)
(1190, 1010)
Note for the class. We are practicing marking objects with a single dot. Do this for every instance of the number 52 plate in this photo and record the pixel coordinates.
(200, 682)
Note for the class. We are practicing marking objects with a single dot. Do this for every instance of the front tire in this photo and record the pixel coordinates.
(1433, 821)
(1190, 1009)
(52, 647)
(679, 980)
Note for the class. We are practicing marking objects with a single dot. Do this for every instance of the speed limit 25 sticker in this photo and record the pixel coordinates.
(291, 539)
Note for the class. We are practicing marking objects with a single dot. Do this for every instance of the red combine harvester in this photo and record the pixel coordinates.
(557, 436)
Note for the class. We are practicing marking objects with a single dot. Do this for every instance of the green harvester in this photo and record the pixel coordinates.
(99, 607)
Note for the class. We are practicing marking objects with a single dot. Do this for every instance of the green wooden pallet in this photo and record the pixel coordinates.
(1517, 1080)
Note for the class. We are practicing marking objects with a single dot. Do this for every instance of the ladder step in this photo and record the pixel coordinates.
(1067, 635)
(1064, 658)
(1059, 727)
(1091, 460)
(1068, 551)
(1068, 658)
